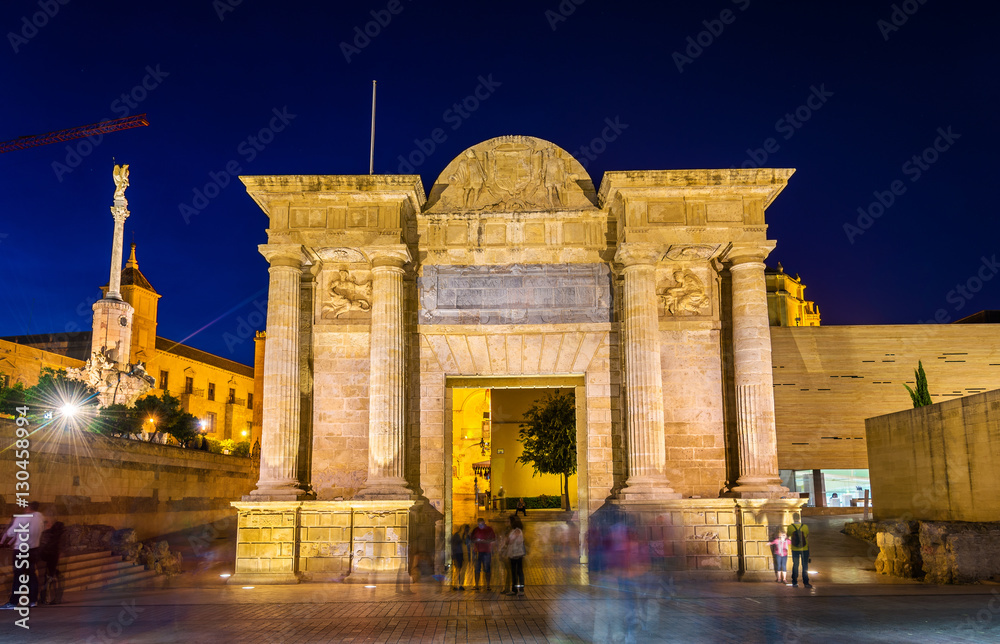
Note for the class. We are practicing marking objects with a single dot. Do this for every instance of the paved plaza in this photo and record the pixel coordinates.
(848, 603)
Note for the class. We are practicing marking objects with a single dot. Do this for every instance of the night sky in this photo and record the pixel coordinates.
(854, 95)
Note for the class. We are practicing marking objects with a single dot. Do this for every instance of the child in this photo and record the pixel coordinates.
(781, 547)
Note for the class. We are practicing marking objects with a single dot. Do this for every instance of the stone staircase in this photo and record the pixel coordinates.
(93, 570)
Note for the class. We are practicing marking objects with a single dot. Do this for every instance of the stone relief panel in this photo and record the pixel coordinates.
(515, 294)
(513, 173)
(346, 295)
(685, 290)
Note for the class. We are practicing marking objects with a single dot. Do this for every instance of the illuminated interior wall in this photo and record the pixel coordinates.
(469, 405)
(508, 410)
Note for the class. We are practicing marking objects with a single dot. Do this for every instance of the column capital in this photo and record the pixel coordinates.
(396, 255)
(292, 255)
(747, 253)
(120, 213)
(632, 254)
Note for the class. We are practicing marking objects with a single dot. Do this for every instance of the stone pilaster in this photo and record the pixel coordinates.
(281, 405)
(646, 480)
(387, 393)
(755, 432)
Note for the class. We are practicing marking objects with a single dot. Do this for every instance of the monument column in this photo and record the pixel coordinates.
(387, 394)
(280, 432)
(646, 469)
(756, 439)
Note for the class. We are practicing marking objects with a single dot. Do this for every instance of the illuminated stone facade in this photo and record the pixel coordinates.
(646, 297)
(786, 301)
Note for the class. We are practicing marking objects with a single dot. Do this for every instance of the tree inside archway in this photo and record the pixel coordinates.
(548, 437)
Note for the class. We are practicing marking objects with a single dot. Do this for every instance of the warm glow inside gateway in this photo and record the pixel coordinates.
(485, 447)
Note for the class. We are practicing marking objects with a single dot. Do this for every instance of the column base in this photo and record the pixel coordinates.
(385, 490)
(759, 490)
(262, 578)
(279, 492)
(647, 490)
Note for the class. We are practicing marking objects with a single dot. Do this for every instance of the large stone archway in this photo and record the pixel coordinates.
(648, 293)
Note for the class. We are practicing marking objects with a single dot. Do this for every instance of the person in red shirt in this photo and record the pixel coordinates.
(483, 537)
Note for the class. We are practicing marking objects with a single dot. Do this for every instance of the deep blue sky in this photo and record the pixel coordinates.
(220, 80)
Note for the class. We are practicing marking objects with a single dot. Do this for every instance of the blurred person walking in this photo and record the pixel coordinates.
(516, 552)
(24, 536)
(458, 558)
(48, 553)
(483, 537)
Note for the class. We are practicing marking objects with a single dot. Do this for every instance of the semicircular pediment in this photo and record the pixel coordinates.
(512, 174)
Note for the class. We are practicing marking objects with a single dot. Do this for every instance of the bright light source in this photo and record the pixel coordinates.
(69, 410)
(244, 432)
(248, 588)
(369, 586)
(224, 575)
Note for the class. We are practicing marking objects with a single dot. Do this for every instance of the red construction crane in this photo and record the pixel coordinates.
(103, 127)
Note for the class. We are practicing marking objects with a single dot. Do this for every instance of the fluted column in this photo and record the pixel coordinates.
(387, 393)
(643, 377)
(756, 440)
(280, 432)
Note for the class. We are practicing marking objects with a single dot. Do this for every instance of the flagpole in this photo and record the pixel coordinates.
(371, 151)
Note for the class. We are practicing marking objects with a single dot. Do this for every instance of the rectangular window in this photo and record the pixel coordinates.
(232, 395)
(164, 380)
(211, 391)
(210, 422)
(250, 400)
(6, 383)
(189, 385)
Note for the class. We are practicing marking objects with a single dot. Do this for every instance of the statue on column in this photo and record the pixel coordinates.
(120, 174)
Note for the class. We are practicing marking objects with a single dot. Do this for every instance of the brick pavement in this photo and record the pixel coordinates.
(678, 611)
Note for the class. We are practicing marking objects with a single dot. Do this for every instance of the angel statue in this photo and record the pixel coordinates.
(120, 174)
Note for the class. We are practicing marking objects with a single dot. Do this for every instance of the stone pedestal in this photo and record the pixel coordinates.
(266, 544)
(386, 410)
(643, 378)
(756, 437)
(354, 541)
(281, 423)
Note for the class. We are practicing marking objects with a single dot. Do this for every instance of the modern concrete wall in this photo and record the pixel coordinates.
(829, 379)
(937, 463)
(92, 479)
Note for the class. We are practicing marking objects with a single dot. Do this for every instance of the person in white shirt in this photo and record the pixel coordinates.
(24, 535)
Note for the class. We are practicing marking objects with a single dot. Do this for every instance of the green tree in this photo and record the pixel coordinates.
(922, 395)
(11, 397)
(548, 435)
(164, 411)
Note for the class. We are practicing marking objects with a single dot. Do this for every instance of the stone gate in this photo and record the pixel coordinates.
(647, 297)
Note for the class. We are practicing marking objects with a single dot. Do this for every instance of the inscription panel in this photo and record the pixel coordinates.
(515, 294)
